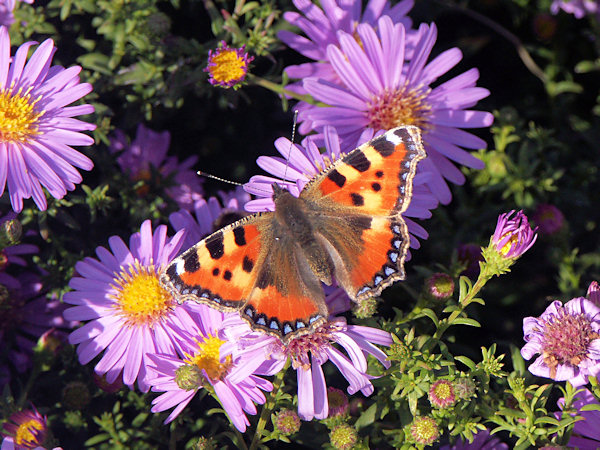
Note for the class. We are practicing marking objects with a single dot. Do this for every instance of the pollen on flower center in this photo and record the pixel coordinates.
(208, 358)
(140, 296)
(402, 106)
(19, 119)
(26, 433)
(566, 340)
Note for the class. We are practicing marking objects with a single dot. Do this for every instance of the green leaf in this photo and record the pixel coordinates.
(466, 361)
(366, 418)
(466, 321)
(97, 439)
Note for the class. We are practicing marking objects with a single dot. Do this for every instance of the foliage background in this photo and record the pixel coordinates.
(145, 60)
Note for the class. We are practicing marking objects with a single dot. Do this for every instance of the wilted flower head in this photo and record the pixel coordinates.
(424, 430)
(567, 340)
(37, 127)
(228, 66)
(343, 436)
(287, 422)
(338, 401)
(441, 394)
(27, 429)
(440, 286)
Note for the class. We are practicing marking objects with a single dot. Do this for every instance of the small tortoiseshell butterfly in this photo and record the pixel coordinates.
(346, 224)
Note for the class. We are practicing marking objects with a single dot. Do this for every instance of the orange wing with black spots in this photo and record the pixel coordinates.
(357, 204)
(243, 267)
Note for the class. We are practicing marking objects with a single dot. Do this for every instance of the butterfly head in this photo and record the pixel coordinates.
(278, 191)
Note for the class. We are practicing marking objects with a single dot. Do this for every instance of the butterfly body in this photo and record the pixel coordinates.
(345, 225)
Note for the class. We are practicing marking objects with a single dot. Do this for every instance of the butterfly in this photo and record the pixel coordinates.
(345, 225)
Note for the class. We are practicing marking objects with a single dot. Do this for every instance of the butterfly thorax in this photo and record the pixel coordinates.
(295, 225)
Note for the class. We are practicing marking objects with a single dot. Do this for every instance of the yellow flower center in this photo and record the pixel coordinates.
(228, 66)
(140, 297)
(18, 117)
(399, 107)
(208, 357)
(506, 247)
(25, 433)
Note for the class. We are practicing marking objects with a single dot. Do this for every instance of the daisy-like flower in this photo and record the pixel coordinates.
(579, 8)
(25, 429)
(205, 361)
(210, 215)
(129, 314)
(6, 11)
(586, 433)
(381, 89)
(26, 314)
(37, 127)
(147, 156)
(300, 163)
(309, 352)
(482, 440)
(11, 252)
(228, 66)
(567, 339)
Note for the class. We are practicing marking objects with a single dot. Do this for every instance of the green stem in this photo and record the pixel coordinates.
(268, 407)
(280, 90)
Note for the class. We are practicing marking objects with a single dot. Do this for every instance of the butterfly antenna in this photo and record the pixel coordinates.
(208, 175)
(287, 160)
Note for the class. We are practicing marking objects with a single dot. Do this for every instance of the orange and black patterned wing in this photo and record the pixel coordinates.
(244, 267)
(356, 205)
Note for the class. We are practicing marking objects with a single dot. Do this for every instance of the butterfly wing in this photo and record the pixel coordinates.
(254, 267)
(356, 206)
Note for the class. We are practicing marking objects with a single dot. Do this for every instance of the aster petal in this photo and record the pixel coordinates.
(357, 380)
(445, 166)
(422, 52)
(454, 152)
(140, 336)
(306, 409)
(345, 70)
(4, 60)
(67, 153)
(231, 406)
(440, 65)
(40, 58)
(69, 137)
(114, 356)
(463, 119)
(18, 62)
(368, 75)
(332, 94)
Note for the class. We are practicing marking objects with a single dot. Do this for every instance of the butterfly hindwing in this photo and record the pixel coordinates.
(357, 204)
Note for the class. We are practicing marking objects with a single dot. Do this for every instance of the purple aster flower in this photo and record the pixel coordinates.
(300, 163)
(579, 8)
(513, 235)
(206, 357)
(147, 156)
(129, 314)
(25, 430)
(586, 433)
(210, 215)
(10, 255)
(228, 66)
(381, 89)
(25, 315)
(309, 352)
(549, 219)
(483, 440)
(37, 127)
(567, 340)
(321, 28)
(6, 11)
